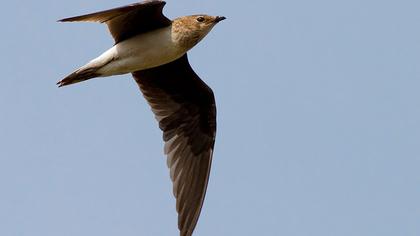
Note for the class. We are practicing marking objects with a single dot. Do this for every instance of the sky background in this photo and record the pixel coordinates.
(318, 123)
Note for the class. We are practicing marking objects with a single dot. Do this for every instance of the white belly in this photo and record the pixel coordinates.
(138, 53)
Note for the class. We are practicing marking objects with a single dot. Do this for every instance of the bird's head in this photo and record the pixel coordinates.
(189, 30)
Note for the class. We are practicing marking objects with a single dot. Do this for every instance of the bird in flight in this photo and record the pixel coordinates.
(154, 50)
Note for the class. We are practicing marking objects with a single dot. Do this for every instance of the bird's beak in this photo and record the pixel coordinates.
(219, 18)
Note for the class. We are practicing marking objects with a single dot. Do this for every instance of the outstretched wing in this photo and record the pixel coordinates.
(128, 21)
(185, 108)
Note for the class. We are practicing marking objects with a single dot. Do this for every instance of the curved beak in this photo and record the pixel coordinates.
(219, 18)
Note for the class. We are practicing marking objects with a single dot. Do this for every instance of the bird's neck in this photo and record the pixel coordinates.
(184, 37)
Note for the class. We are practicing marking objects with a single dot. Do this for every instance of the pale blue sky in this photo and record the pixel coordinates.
(318, 123)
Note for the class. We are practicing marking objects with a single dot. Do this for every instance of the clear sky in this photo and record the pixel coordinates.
(318, 123)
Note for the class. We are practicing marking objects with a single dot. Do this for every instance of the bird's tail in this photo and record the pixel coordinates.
(79, 76)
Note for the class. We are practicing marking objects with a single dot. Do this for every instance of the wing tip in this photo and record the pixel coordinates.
(69, 19)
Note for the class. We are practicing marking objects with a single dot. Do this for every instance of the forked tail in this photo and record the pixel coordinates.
(79, 76)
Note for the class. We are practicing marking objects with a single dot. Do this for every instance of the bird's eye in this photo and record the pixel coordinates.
(200, 19)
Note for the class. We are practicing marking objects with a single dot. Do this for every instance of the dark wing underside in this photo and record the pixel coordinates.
(128, 21)
(185, 108)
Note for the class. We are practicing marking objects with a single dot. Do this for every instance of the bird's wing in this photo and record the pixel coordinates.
(185, 108)
(128, 21)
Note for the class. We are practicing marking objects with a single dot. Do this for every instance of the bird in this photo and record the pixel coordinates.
(154, 50)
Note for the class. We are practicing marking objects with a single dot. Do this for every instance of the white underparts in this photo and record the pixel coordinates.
(141, 52)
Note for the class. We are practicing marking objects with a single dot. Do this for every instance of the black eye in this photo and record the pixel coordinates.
(200, 19)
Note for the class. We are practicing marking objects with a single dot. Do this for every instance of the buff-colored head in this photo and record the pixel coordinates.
(189, 30)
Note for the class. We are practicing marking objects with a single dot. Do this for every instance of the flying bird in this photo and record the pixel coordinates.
(154, 50)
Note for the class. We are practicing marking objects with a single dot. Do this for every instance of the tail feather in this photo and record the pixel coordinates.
(79, 76)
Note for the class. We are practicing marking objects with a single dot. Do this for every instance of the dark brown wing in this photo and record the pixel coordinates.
(128, 21)
(185, 108)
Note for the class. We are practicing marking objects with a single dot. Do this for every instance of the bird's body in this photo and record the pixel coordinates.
(140, 52)
(153, 49)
